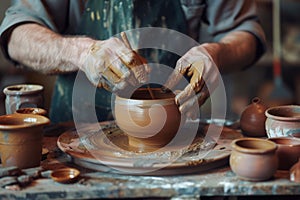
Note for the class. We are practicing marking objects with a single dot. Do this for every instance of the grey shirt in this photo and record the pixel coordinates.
(63, 16)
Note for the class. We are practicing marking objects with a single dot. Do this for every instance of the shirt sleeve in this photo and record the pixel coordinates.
(51, 13)
(223, 16)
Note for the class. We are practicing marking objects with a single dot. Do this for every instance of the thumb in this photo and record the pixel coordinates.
(177, 74)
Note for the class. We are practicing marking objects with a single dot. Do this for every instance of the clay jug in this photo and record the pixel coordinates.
(253, 119)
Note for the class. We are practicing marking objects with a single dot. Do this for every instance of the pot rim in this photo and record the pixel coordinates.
(282, 118)
(286, 138)
(23, 89)
(29, 120)
(237, 147)
(144, 102)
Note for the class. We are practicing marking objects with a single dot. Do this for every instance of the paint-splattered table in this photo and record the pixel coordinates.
(221, 182)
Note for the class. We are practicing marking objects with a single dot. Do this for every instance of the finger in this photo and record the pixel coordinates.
(142, 62)
(184, 95)
(137, 64)
(203, 96)
(104, 84)
(196, 71)
(177, 74)
(124, 73)
(187, 105)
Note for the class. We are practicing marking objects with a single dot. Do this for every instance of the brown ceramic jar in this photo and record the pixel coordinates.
(253, 119)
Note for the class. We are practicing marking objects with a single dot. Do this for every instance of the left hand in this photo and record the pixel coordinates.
(199, 65)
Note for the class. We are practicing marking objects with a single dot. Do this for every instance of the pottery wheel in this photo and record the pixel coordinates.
(108, 150)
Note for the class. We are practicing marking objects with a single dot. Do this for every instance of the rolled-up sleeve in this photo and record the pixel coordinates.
(225, 16)
(28, 11)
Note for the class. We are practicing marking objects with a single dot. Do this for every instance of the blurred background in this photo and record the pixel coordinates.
(242, 87)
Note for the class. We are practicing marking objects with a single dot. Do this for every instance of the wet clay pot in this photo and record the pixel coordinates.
(253, 119)
(283, 120)
(21, 139)
(148, 122)
(288, 151)
(253, 159)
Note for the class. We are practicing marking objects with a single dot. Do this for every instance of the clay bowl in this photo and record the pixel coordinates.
(65, 175)
(21, 139)
(282, 121)
(35, 111)
(253, 159)
(288, 151)
(148, 123)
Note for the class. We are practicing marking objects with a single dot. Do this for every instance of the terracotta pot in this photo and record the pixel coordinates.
(282, 121)
(288, 151)
(23, 96)
(21, 139)
(253, 119)
(148, 122)
(253, 159)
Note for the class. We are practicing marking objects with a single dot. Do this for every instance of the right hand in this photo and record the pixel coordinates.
(113, 66)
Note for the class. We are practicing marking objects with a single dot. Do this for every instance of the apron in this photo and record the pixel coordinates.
(105, 18)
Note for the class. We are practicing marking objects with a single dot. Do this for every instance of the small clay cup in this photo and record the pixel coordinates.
(282, 121)
(253, 119)
(21, 139)
(148, 122)
(288, 151)
(253, 159)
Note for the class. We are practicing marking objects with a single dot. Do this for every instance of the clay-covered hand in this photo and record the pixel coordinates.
(203, 73)
(112, 65)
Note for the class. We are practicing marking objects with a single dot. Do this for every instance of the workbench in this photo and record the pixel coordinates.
(219, 182)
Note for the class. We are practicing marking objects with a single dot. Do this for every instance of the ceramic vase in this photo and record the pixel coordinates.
(23, 96)
(253, 119)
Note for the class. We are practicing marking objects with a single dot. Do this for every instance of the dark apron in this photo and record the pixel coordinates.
(103, 19)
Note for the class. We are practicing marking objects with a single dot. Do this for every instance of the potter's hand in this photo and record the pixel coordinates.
(198, 65)
(110, 64)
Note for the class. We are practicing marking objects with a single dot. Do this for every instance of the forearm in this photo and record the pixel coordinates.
(234, 52)
(43, 50)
